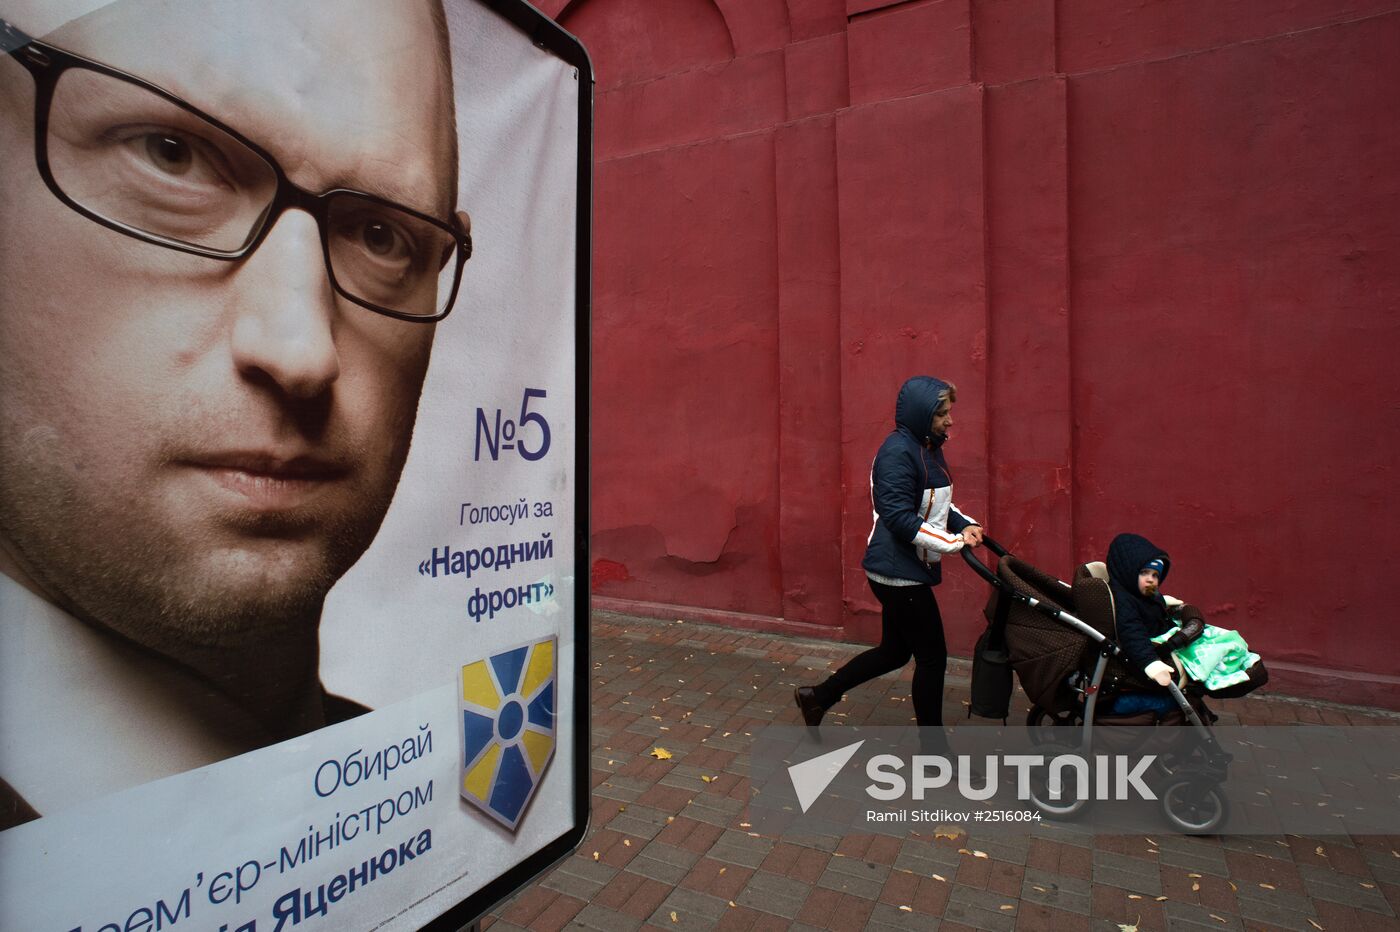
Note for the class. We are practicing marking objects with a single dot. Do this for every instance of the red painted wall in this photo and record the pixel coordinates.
(1156, 244)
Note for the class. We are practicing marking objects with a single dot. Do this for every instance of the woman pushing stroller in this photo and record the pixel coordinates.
(916, 523)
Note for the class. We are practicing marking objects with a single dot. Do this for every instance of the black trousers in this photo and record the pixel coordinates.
(910, 626)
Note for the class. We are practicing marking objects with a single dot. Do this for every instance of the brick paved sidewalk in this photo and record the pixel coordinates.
(668, 847)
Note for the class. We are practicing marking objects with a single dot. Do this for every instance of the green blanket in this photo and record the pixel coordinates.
(1218, 658)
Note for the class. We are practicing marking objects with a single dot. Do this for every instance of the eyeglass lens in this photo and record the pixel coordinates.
(134, 158)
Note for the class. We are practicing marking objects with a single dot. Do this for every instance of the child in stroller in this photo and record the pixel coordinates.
(1157, 633)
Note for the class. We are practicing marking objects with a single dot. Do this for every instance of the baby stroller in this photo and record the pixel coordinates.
(1062, 643)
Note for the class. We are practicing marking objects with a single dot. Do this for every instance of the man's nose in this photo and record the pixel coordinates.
(283, 331)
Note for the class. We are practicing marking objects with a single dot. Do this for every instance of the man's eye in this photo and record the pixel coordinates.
(382, 240)
(169, 153)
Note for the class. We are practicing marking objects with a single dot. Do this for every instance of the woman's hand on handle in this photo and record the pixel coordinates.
(972, 534)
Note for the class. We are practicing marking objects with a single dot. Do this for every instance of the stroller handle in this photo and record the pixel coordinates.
(978, 566)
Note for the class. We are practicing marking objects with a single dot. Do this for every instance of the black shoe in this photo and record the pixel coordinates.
(807, 703)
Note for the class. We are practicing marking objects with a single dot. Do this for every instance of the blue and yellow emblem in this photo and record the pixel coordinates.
(508, 703)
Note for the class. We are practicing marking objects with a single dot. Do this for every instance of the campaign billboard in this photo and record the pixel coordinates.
(293, 460)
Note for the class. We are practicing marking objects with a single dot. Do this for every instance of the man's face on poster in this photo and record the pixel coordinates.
(193, 450)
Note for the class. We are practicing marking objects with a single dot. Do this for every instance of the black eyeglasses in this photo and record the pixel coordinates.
(139, 160)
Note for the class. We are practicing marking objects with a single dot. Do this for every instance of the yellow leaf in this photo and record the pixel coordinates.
(1151, 850)
(947, 831)
(1194, 875)
(1268, 886)
(707, 779)
(1160, 899)
(621, 808)
(1129, 927)
(1232, 885)
(939, 877)
(1368, 886)
(745, 825)
(1316, 926)
(1217, 918)
(1195, 887)
(674, 917)
(1131, 896)
(906, 909)
(1151, 842)
(1039, 889)
(660, 753)
(626, 842)
(731, 903)
(670, 819)
(1008, 907)
(723, 869)
(979, 854)
(963, 851)
(595, 855)
(1320, 852)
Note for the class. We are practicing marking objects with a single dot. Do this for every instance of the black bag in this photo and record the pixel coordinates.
(992, 682)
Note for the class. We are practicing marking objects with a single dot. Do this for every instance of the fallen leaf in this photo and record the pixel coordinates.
(947, 831)
(660, 753)
(674, 918)
(670, 819)
(626, 842)
(595, 855)
(1320, 852)
(1368, 886)
(1151, 850)
(1195, 887)
(745, 825)
(1151, 842)
(1316, 926)
(621, 808)
(1217, 918)
(1039, 888)
(723, 869)
(979, 854)
(1232, 885)
(939, 877)
(1161, 899)
(1194, 875)
(963, 851)
(731, 903)
(906, 909)
(1129, 927)
(1131, 896)
(1268, 886)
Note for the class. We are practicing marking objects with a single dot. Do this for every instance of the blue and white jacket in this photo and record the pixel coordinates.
(911, 492)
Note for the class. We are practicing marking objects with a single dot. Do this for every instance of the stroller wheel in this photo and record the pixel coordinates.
(1042, 724)
(1195, 806)
(1073, 798)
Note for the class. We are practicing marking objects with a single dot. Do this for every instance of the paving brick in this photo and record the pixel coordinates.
(849, 875)
(692, 910)
(663, 862)
(1115, 870)
(980, 909)
(1345, 889)
(1061, 893)
(1188, 916)
(737, 847)
(773, 893)
(601, 919)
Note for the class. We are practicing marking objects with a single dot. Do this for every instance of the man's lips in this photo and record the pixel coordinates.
(266, 479)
